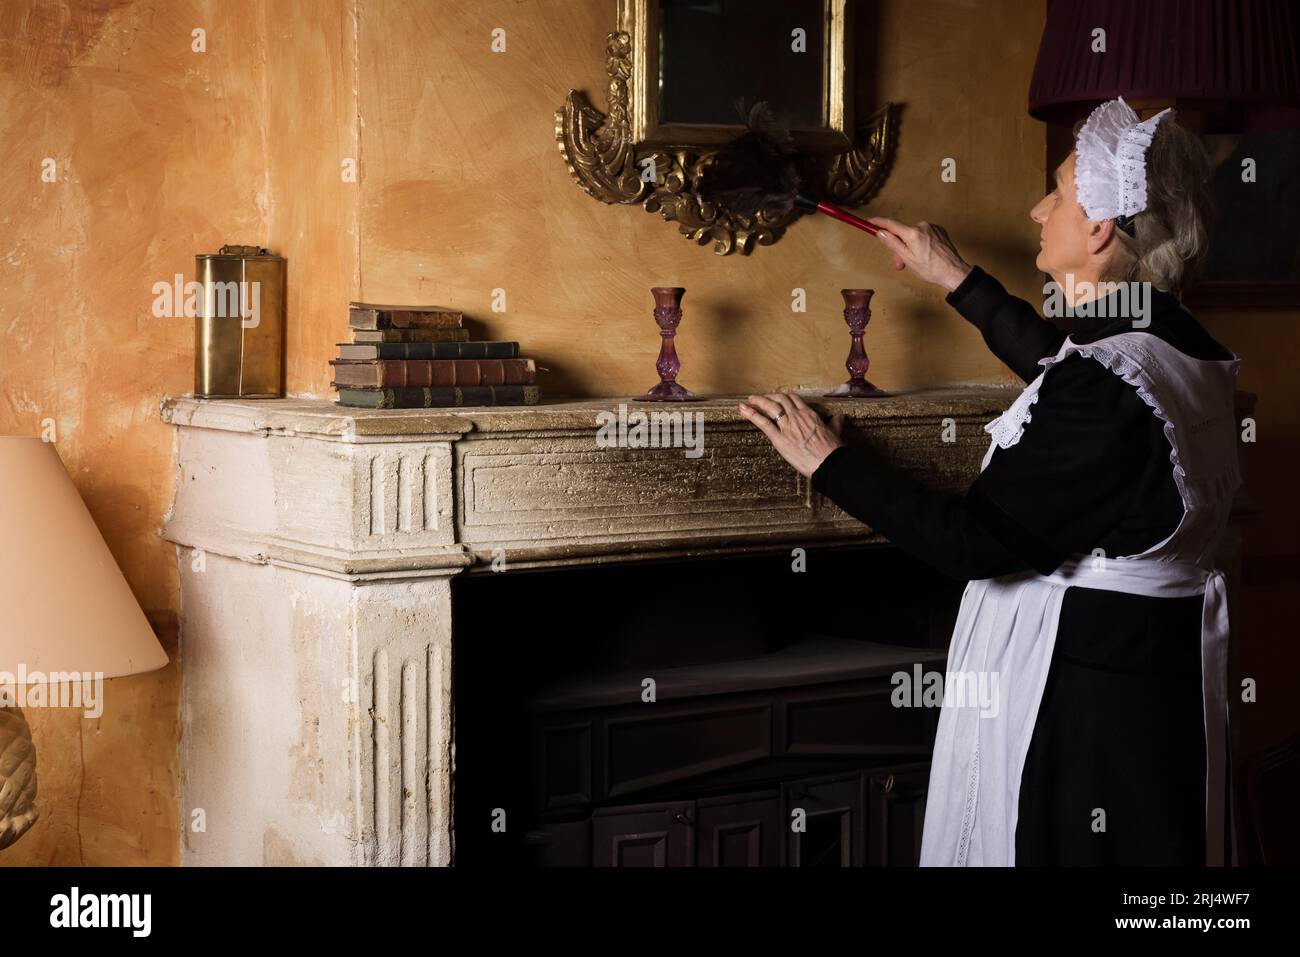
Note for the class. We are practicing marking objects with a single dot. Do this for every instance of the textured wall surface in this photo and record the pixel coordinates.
(112, 93)
(163, 152)
(464, 192)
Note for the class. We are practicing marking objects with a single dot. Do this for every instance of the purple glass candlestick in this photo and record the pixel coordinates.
(668, 313)
(857, 313)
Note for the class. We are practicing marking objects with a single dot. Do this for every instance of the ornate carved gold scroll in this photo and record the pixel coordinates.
(599, 151)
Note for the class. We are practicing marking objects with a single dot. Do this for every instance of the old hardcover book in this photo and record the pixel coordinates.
(439, 396)
(402, 373)
(369, 315)
(410, 335)
(429, 350)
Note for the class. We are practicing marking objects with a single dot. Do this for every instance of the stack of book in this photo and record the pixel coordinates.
(419, 357)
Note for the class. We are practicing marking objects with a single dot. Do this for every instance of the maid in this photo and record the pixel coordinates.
(1088, 538)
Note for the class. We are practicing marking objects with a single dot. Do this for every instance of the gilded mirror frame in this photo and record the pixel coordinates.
(640, 20)
(625, 156)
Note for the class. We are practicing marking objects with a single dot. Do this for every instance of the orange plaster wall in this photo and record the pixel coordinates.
(464, 192)
(162, 152)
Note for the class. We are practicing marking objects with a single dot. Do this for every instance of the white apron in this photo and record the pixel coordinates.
(1006, 627)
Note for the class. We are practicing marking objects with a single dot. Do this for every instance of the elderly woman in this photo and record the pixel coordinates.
(1088, 537)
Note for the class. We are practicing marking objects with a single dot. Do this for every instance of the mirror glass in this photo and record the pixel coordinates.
(714, 53)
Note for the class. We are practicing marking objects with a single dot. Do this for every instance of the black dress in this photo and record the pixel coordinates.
(1120, 726)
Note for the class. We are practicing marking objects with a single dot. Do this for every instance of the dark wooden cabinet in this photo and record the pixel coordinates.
(799, 759)
(866, 818)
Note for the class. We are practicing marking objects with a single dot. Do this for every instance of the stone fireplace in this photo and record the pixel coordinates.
(364, 591)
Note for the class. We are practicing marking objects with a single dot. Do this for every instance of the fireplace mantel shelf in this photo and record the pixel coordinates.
(327, 419)
(367, 494)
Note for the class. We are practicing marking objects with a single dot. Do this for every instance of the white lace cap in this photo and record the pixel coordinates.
(1110, 172)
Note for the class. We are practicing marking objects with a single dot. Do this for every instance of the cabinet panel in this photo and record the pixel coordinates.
(562, 766)
(644, 835)
(859, 720)
(662, 744)
(829, 832)
(896, 814)
(742, 830)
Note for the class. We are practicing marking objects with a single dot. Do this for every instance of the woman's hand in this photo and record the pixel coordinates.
(798, 432)
(925, 249)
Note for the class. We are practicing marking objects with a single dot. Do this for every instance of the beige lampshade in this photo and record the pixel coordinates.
(64, 605)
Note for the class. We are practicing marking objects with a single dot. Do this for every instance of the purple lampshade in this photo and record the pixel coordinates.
(1237, 61)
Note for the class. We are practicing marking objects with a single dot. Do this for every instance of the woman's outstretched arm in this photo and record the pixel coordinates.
(939, 528)
(1057, 492)
(1011, 327)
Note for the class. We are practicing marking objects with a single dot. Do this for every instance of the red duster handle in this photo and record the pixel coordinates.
(836, 213)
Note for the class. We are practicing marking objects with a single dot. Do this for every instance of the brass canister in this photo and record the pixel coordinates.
(239, 324)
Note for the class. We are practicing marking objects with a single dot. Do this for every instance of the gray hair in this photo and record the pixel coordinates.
(1172, 233)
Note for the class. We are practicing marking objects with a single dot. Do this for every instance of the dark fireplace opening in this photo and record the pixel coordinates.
(713, 711)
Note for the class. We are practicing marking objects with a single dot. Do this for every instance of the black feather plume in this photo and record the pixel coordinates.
(757, 171)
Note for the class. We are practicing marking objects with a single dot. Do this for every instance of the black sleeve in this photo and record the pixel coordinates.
(1056, 492)
(1012, 328)
(936, 527)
